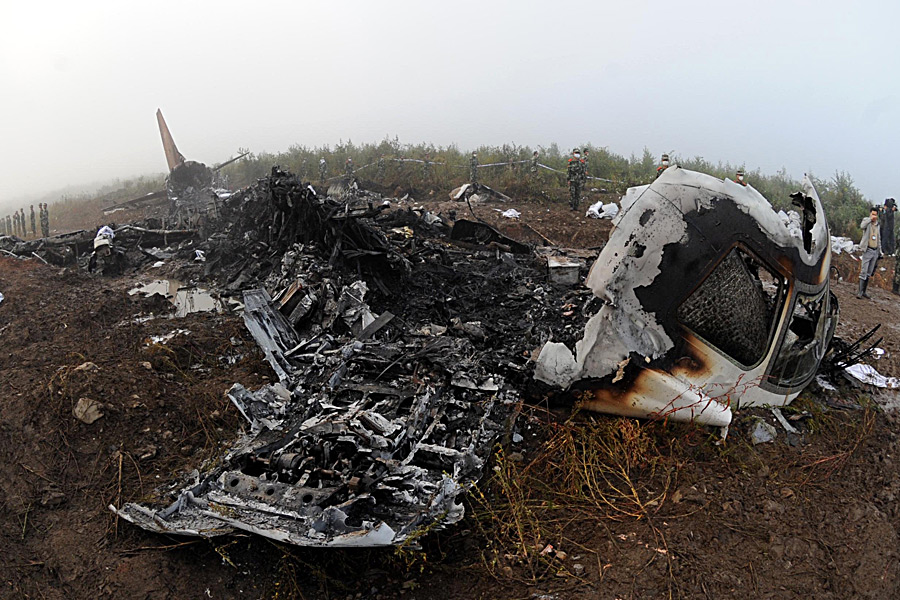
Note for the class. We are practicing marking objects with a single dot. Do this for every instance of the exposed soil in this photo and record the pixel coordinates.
(808, 515)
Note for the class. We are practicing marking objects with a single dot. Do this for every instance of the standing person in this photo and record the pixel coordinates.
(33, 223)
(45, 221)
(22, 223)
(473, 169)
(575, 178)
(886, 219)
(348, 168)
(663, 165)
(895, 288)
(871, 246)
(323, 169)
(3, 227)
(534, 163)
(381, 168)
(16, 223)
(585, 158)
(9, 225)
(739, 178)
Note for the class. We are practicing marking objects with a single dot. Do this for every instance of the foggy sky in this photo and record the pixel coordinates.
(808, 86)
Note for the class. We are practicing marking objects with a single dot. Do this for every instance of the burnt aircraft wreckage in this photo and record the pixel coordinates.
(710, 301)
(192, 189)
(384, 415)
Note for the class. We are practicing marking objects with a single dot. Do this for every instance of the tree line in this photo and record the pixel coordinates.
(844, 204)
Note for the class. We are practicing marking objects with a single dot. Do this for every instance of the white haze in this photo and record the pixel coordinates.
(808, 86)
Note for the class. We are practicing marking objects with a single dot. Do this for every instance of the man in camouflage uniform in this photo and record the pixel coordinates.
(9, 225)
(33, 222)
(381, 168)
(575, 178)
(473, 168)
(663, 165)
(348, 168)
(323, 169)
(16, 228)
(22, 223)
(45, 221)
(534, 163)
(586, 160)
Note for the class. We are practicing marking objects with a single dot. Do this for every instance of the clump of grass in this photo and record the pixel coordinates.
(614, 469)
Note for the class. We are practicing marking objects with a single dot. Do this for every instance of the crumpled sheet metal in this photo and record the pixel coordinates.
(635, 358)
(354, 462)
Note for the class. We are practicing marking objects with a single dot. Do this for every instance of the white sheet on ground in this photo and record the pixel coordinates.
(603, 211)
(868, 374)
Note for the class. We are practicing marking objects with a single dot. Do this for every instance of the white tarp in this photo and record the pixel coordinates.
(841, 244)
(603, 211)
(868, 374)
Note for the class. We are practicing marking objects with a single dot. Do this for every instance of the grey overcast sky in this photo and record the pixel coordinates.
(809, 86)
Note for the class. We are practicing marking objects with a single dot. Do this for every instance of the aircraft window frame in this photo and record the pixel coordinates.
(790, 340)
(713, 337)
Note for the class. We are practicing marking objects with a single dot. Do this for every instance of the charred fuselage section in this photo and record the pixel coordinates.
(710, 302)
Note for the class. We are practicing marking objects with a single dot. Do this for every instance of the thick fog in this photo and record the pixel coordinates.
(808, 86)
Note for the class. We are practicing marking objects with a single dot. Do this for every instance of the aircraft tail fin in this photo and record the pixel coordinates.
(173, 157)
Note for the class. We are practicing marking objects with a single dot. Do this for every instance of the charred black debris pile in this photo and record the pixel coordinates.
(401, 358)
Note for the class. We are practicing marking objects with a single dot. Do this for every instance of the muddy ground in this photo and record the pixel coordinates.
(631, 509)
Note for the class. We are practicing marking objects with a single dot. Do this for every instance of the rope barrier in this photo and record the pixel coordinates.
(500, 164)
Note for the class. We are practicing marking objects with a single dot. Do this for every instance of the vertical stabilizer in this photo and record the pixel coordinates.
(173, 156)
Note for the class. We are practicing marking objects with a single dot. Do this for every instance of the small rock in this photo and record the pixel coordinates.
(762, 433)
(88, 366)
(87, 410)
(147, 452)
(578, 569)
(146, 365)
(51, 498)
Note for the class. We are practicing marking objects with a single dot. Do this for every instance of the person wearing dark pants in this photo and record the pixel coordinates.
(870, 244)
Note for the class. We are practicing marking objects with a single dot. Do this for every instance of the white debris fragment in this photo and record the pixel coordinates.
(869, 375)
(1, 297)
(87, 410)
(825, 384)
(556, 365)
(780, 418)
(162, 339)
(157, 264)
(841, 244)
(510, 213)
(762, 433)
(603, 211)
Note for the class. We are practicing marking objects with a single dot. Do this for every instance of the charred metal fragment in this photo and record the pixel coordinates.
(483, 234)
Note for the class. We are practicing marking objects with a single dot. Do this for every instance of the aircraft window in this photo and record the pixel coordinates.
(734, 308)
(804, 343)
